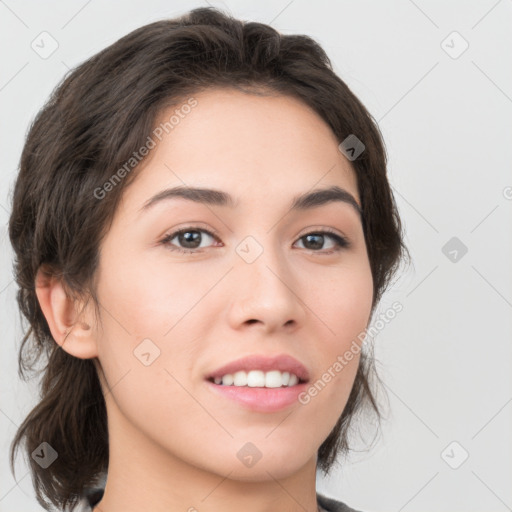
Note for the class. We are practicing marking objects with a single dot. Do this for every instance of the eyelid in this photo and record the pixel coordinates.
(201, 226)
(166, 238)
(341, 240)
(317, 229)
(335, 233)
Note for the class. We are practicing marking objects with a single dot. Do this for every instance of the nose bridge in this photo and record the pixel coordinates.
(265, 289)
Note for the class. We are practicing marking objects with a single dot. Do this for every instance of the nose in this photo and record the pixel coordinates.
(267, 294)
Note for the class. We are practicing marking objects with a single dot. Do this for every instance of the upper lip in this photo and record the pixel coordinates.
(281, 362)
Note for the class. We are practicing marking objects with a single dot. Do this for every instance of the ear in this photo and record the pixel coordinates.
(71, 323)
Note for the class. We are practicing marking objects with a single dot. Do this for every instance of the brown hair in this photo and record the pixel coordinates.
(95, 119)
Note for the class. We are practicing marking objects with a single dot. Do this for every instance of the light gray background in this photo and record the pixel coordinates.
(446, 358)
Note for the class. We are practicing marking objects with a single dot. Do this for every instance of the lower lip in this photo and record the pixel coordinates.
(261, 399)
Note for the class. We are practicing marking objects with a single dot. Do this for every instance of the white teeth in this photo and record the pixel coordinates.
(258, 379)
(240, 379)
(255, 379)
(272, 379)
(227, 380)
(293, 380)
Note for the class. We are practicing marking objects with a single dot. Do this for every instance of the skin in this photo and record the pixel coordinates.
(173, 443)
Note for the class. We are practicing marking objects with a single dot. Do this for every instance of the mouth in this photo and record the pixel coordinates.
(260, 371)
(258, 379)
(260, 383)
(258, 399)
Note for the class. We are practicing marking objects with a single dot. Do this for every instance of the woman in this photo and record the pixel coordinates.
(203, 228)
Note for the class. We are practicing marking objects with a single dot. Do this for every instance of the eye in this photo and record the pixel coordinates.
(317, 238)
(190, 238)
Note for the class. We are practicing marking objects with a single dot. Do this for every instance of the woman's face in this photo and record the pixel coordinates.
(257, 285)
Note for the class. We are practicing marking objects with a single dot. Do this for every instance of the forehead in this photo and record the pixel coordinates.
(257, 146)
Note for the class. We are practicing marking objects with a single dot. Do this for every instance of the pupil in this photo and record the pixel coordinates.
(188, 237)
(317, 245)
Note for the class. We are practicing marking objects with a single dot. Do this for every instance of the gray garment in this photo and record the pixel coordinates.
(332, 505)
(326, 504)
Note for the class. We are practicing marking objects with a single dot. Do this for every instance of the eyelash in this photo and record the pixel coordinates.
(341, 242)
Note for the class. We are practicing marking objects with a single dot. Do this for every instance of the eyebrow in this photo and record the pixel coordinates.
(213, 197)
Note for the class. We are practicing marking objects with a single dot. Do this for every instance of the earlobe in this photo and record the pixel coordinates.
(72, 332)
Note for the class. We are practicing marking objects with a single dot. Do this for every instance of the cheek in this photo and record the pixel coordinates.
(148, 298)
(343, 302)
(344, 307)
(152, 314)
